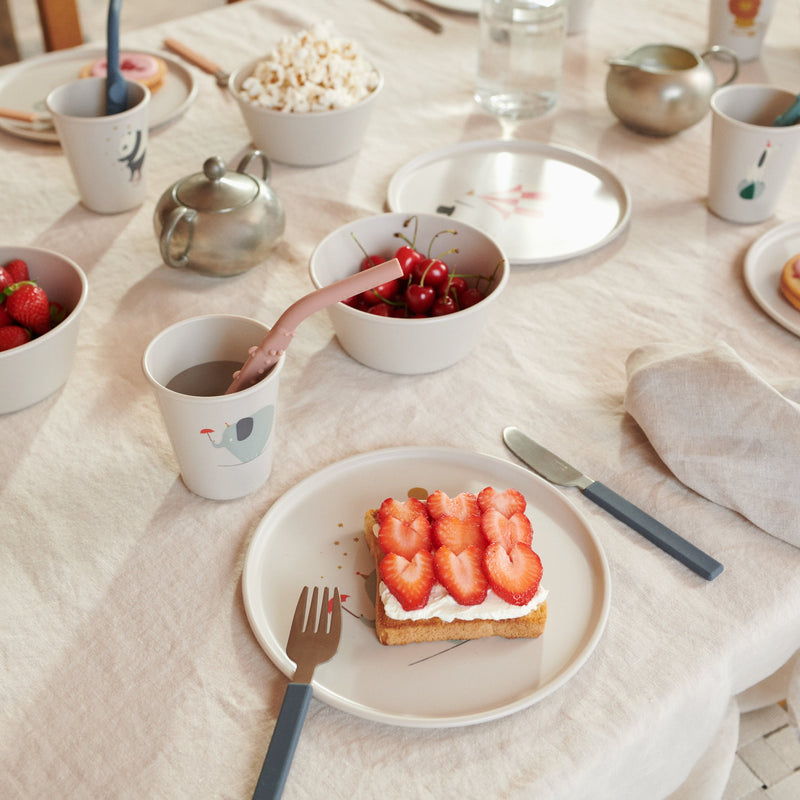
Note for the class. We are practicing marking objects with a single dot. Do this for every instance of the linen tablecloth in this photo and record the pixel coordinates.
(129, 668)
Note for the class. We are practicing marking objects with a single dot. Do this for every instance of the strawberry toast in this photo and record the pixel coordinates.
(454, 568)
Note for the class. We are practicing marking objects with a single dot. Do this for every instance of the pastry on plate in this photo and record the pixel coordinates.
(140, 67)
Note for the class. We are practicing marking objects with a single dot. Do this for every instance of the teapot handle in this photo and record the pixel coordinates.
(165, 240)
(247, 160)
(727, 55)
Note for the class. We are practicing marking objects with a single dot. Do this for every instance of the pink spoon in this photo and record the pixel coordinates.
(264, 356)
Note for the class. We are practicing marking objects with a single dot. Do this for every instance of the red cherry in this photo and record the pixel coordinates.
(408, 257)
(370, 261)
(431, 272)
(443, 305)
(386, 291)
(454, 286)
(381, 310)
(419, 298)
(469, 297)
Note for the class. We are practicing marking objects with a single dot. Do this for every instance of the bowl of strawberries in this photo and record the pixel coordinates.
(431, 317)
(42, 295)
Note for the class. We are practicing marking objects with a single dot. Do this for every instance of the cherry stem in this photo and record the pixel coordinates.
(411, 242)
(436, 236)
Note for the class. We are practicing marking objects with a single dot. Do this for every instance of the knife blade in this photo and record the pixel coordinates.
(418, 16)
(556, 470)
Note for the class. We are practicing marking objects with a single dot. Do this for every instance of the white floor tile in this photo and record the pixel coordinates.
(764, 762)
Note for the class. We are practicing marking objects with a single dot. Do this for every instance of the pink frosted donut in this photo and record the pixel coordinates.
(145, 69)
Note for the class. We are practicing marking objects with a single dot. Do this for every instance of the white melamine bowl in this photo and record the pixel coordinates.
(33, 371)
(303, 139)
(408, 346)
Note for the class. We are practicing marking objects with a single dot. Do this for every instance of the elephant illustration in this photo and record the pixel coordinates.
(247, 437)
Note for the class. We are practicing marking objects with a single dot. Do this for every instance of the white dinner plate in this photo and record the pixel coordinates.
(313, 535)
(541, 203)
(462, 6)
(762, 272)
(25, 88)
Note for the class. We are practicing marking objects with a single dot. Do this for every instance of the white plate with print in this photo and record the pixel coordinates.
(763, 265)
(541, 203)
(313, 535)
(26, 87)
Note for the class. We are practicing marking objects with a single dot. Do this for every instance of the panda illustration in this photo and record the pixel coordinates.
(132, 151)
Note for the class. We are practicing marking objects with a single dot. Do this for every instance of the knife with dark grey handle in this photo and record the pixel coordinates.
(556, 470)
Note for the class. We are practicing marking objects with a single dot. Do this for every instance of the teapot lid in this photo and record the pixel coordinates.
(216, 188)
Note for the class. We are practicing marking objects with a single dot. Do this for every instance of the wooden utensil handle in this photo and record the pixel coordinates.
(22, 116)
(192, 56)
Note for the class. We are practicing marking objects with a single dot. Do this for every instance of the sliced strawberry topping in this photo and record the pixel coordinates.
(405, 538)
(506, 531)
(410, 581)
(458, 534)
(514, 576)
(462, 505)
(405, 511)
(507, 503)
(462, 574)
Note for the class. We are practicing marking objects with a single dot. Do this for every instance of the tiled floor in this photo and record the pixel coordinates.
(767, 765)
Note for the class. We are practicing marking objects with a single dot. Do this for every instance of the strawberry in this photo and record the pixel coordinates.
(458, 534)
(405, 538)
(462, 574)
(57, 313)
(514, 576)
(405, 511)
(5, 280)
(462, 506)
(410, 581)
(5, 317)
(13, 336)
(18, 270)
(506, 531)
(507, 503)
(29, 306)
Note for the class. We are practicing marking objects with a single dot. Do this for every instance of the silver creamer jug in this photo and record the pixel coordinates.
(661, 89)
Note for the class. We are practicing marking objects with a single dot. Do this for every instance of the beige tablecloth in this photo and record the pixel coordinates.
(128, 666)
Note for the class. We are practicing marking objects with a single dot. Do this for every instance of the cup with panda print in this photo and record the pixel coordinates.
(106, 153)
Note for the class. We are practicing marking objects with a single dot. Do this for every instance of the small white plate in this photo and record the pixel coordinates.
(26, 88)
(541, 203)
(762, 272)
(313, 535)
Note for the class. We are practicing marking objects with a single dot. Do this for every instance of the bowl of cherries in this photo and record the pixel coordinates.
(433, 315)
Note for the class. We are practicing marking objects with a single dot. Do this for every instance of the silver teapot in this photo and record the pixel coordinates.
(661, 89)
(219, 221)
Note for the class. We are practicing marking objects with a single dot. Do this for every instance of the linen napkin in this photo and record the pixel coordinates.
(723, 430)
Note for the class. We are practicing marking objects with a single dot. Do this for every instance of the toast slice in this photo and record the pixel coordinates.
(396, 631)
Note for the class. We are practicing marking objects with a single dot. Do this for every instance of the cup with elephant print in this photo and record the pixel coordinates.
(106, 154)
(223, 442)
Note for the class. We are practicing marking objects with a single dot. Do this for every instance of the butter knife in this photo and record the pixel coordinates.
(556, 470)
(418, 16)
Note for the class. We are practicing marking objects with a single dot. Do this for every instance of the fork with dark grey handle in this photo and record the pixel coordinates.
(307, 646)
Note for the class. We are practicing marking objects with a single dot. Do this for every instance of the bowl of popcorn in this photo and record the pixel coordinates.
(308, 102)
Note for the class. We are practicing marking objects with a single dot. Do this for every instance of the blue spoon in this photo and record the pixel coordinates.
(116, 89)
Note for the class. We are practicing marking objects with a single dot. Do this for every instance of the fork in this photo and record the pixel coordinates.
(307, 647)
